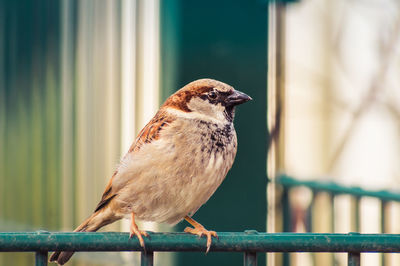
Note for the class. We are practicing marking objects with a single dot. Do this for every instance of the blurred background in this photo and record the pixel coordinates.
(334, 105)
(79, 79)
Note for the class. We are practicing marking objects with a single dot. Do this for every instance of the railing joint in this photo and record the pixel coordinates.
(353, 259)
(147, 258)
(41, 258)
(250, 259)
(251, 232)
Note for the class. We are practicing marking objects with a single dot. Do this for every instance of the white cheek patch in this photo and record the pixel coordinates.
(205, 108)
(191, 115)
(196, 103)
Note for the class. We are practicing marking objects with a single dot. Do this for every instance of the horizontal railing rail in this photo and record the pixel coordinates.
(249, 242)
(337, 189)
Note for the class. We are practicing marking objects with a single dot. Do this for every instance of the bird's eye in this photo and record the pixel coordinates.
(212, 95)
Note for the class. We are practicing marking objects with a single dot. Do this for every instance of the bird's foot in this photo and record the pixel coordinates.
(139, 233)
(200, 231)
(134, 230)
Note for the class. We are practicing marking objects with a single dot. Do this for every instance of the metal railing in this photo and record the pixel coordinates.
(333, 189)
(249, 242)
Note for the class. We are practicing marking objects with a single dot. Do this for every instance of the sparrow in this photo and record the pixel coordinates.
(174, 166)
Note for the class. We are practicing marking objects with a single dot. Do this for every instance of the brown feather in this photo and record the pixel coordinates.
(107, 195)
(152, 130)
(149, 133)
(91, 224)
(180, 98)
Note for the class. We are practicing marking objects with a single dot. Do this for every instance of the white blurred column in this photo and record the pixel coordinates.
(148, 59)
(140, 88)
(128, 73)
(67, 89)
(128, 93)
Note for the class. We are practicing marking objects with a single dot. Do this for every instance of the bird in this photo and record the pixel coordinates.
(175, 164)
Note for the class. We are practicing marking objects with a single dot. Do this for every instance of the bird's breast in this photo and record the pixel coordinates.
(209, 151)
(175, 175)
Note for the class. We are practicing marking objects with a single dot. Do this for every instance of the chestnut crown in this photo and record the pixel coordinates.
(209, 97)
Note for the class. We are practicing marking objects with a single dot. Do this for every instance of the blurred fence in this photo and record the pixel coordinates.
(291, 217)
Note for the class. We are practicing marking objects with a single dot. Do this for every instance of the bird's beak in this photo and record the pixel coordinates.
(237, 98)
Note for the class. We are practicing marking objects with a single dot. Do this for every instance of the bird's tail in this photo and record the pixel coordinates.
(92, 224)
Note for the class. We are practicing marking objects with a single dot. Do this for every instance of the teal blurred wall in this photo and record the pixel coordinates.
(224, 40)
(30, 126)
(61, 121)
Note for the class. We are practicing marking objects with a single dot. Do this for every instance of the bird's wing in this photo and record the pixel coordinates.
(151, 131)
(148, 134)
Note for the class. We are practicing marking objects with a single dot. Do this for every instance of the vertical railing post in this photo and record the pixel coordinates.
(287, 220)
(357, 213)
(41, 258)
(250, 259)
(353, 259)
(384, 205)
(310, 211)
(310, 221)
(332, 225)
(147, 258)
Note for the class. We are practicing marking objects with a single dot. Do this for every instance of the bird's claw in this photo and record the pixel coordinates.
(139, 234)
(200, 231)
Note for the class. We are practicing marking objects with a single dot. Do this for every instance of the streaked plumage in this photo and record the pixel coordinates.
(175, 164)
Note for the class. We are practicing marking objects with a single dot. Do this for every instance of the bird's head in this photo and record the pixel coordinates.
(207, 98)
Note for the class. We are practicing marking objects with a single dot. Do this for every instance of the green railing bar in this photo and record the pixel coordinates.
(337, 189)
(147, 258)
(227, 242)
(41, 258)
(357, 213)
(287, 220)
(250, 259)
(384, 206)
(332, 221)
(353, 259)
